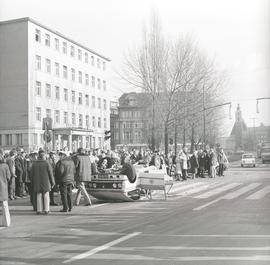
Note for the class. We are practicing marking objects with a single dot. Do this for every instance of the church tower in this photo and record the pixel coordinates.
(238, 129)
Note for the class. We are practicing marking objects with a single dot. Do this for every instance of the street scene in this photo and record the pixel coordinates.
(134, 132)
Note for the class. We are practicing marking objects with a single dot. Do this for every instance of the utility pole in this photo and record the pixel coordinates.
(254, 133)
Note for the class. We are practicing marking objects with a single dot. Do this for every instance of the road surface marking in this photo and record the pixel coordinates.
(217, 190)
(184, 187)
(265, 248)
(201, 188)
(210, 235)
(230, 196)
(237, 193)
(207, 204)
(101, 248)
(215, 258)
(259, 194)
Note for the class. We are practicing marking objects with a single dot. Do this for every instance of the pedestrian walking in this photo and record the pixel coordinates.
(222, 162)
(82, 176)
(184, 159)
(43, 181)
(4, 179)
(64, 173)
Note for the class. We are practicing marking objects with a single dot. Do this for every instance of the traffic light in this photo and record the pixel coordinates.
(107, 135)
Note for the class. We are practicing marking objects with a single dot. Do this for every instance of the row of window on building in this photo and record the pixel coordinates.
(130, 125)
(72, 51)
(48, 69)
(56, 94)
(9, 139)
(132, 138)
(80, 121)
(130, 114)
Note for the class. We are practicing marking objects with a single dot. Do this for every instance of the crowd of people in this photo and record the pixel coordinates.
(39, 175)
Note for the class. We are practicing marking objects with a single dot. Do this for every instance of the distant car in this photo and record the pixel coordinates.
(248, 160)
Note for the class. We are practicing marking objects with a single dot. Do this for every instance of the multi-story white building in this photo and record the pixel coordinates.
(45, 74)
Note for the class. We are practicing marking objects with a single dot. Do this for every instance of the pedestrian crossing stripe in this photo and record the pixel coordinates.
(200, 188)
(205, 190)
(218, 190)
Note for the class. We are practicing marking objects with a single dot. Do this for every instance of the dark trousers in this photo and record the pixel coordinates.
(51, 193)
(11, 187)
(220, 169)
(184, 174)
(19, 187)
(66, 195)
(28, 188)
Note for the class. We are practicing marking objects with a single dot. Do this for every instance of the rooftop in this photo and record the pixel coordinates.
(28, 19)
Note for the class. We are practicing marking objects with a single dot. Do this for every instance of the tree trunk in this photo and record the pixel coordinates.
(153, 125)
(166, 138)
(192, 139)
(175, 138)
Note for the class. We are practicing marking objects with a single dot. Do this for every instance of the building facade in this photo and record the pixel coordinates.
(45, 74)
(129, 124)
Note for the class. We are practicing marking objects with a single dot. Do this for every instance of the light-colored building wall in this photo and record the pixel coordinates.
(28, 52)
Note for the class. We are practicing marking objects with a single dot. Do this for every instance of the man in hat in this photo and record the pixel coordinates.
(64, 173)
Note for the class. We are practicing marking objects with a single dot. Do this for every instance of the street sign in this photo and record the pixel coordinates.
(47, 123)
(47, 136)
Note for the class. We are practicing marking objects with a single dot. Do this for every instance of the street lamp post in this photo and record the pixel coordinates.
(204, 114)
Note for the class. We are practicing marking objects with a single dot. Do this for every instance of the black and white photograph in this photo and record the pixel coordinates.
(135, 132)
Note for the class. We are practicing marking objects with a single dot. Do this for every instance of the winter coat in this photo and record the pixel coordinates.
(19, 168)
(221, 157)
(202, 161)
(213, 159)
(42, 176)
(27, 167)
(11, 165)
(83, 168)
(65, 171)
(184, 160)
(194, 163)
(4, 178)
(178, 168)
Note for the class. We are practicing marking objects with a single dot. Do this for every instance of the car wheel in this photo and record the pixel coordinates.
(254, 165)
(241, 165)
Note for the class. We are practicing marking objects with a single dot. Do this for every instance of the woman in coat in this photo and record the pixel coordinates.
(178, 168)
(4, 179)
(194, 164)
(43, 181)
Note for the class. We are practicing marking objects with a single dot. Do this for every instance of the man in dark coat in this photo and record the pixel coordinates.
(43, 181)
(11, 164)
(19, 171)
(83, 175)
(52, 162)
(64, 173)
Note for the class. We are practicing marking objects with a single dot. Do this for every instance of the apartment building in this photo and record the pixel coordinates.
(46, 74)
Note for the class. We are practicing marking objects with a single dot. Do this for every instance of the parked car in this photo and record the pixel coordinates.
(248, 160)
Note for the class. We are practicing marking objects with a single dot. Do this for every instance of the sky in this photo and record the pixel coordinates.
(236, 33)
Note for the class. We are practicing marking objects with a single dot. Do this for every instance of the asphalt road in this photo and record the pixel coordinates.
(225, 220)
